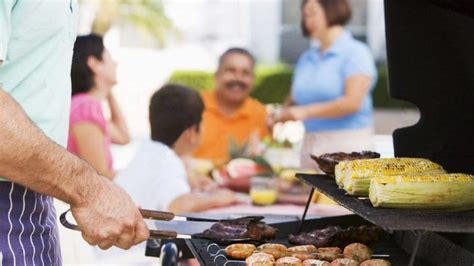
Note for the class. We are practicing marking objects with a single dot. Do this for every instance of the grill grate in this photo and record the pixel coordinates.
(393, 219)
(398, 257)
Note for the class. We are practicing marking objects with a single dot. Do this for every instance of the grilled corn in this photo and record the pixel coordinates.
(446, 191)
(354, 176)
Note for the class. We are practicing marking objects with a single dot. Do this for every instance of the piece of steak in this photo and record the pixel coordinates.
(251, 228)
(335, 236)
(327, 162)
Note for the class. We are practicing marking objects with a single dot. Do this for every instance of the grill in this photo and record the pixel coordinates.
(431, 64)
(203, 249)
(393, 219)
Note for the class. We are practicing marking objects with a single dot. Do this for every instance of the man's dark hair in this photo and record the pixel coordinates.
(173, 109)
(82, 77)
(236, 50)
(338, 12)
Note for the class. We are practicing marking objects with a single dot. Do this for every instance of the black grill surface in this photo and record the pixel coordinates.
(394, 219)
(398, 257)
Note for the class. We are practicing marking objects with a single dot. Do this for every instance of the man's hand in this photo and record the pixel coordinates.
(108, 217)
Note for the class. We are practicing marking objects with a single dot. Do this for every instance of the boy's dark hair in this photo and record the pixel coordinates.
(236, 50)
(338, 12)
(173, 109)
(82, 78)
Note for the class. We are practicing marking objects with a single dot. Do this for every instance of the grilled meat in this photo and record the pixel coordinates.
(260, 259)
(276, 250)
(358, 252)
(250, 228)
(338, 237)
(344, 262)
(313, 262)
(376, 262)
(327, 162)
(240, 251)
(289, 261)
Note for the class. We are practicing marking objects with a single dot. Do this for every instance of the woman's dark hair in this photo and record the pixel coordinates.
(338, 12)
(82, 78)
(173, 109)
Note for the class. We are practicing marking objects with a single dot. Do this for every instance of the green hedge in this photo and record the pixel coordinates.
(272, 85)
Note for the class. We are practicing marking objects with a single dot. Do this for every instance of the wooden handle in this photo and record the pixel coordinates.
(157, 234)
(157, 215)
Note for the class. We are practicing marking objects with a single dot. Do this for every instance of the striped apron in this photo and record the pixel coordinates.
(28, 232)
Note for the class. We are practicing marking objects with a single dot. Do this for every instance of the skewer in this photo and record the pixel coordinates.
(227, 261)
(306, 210)
(219, 249)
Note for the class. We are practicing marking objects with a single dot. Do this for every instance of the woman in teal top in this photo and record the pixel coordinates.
(332, 83)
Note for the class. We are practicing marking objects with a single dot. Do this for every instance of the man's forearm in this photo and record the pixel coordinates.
(30, 158)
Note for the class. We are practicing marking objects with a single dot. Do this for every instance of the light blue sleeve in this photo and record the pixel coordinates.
(6, 7)
(360, 62)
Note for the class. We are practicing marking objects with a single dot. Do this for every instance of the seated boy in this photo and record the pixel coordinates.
(156, 178)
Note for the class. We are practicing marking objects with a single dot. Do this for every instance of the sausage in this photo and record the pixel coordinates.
(376, 262)
(289, 261)
(313, 262)
(329, 253)
(260, 259)
(358, 252)
(304, 252)
(344, 262)
(240, 251)
(276, 250)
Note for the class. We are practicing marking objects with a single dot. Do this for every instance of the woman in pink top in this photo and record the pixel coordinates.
(93, 75)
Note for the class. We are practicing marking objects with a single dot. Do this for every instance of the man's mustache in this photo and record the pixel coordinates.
(237, 83)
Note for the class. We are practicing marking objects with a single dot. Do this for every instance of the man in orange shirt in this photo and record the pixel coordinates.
(230, 113)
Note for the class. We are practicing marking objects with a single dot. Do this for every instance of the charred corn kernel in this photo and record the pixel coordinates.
(445, 191)
(354, 176)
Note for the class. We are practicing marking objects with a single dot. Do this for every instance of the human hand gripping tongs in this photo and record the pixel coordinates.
(158, 216)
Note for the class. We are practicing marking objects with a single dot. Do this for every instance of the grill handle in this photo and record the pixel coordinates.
(157, 215)
(158, 234)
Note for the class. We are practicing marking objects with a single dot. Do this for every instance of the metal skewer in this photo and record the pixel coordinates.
(226, 261)
(300, 227)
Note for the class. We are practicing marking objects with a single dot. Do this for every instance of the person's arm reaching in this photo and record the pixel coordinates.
(118, 129)
(90, 142)
(197, 202)
(104, 212)
(356, 89)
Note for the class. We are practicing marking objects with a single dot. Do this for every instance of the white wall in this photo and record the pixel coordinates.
(265, 26)
(376, 28)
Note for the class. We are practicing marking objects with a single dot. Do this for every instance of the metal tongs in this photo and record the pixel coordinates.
(159, 216)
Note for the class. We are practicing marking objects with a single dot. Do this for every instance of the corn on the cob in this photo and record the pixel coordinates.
(446, 191)
(354, 176)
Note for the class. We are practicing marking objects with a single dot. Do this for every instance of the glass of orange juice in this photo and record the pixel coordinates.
(263, 190)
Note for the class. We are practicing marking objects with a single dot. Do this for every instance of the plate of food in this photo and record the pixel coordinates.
(237, 172)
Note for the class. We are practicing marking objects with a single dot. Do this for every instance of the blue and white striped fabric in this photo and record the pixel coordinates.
(28, 230)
